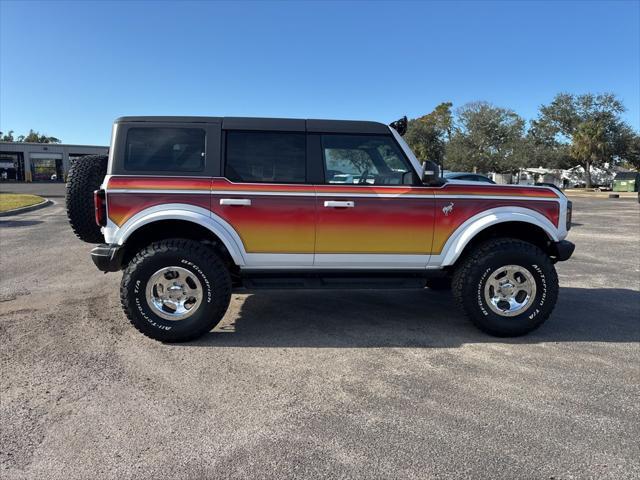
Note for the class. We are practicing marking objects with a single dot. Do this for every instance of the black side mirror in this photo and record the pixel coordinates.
(431, 173)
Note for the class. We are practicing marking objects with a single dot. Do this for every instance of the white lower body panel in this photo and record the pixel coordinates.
(335, 261)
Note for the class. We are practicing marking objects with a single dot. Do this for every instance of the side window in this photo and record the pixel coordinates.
(364, 160)
(165, 149)
(268, 157)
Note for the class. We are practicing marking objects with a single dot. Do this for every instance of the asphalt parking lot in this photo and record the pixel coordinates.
(317, 384)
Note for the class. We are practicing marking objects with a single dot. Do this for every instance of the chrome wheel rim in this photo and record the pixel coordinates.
(174, 293)
(510, 290)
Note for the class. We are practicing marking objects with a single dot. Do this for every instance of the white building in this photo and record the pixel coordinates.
(41, 162)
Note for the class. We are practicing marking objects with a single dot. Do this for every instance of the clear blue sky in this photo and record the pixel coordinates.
(69, 68)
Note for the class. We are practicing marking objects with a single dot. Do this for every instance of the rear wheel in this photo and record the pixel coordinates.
(175, 290)
(506, 287)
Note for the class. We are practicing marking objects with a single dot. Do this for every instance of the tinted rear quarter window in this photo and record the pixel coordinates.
(165, 149)
(265, 157)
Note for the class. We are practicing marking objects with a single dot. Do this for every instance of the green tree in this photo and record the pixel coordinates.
(487, 139)
(589, 145)
(543, 149)
(628, 147)
(8, 137)
(632, 154)
(590, 123)
(428, 135)
(441, 118)
(32, 137)
(425, 140)
(37, 137)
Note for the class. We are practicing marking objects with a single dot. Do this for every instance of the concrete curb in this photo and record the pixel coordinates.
(602, 195)
(30, 208)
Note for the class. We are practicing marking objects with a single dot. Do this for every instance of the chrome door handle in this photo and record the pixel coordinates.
(337, 204)
(241, 202)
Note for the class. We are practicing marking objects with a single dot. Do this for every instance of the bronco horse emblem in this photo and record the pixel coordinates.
(447, 209)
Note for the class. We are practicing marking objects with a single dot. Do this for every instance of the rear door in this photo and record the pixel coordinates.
(372, 210)
(265, 196)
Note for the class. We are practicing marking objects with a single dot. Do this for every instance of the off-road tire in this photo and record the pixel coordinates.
(443, 283)
(85, 176)
(471, 275)
(202, 262)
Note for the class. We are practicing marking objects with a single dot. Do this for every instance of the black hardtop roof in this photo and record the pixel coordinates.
(276, 124)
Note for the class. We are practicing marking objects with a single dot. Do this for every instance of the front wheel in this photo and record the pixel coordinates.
(175, 290)
(506, 287)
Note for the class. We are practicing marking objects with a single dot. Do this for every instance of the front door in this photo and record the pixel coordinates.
(371, 212)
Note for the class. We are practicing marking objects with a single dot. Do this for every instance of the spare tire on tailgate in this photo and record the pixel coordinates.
(85, 176)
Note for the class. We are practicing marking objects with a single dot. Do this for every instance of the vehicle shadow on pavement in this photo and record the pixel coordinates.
(411, 319)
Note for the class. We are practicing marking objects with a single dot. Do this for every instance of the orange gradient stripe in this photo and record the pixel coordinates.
(495, 190)
(376, 225)
(300, 224)
(122, 206)
(273, 224)
(466, 208)
(222, 184)
(159, 183)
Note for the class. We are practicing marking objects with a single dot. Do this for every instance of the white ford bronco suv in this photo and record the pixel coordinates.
(191, 208)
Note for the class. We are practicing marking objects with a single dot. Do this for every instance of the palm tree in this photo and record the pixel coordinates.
(8, 137)
(589, 146)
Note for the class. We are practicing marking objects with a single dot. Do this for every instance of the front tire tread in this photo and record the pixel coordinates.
(464, 289)
(191, 249)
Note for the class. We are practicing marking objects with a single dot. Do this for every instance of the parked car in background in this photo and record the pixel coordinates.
(468, 177)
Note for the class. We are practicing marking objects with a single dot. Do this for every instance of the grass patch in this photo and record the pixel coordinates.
(10, 201)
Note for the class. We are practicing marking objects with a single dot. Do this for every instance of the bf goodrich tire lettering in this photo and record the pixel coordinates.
(470, 287)
(189, 256)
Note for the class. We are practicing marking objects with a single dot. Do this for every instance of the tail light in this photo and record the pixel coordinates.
(100, 204)
(569, 214)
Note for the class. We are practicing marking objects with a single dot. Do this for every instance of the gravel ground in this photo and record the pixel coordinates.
(324, 384)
